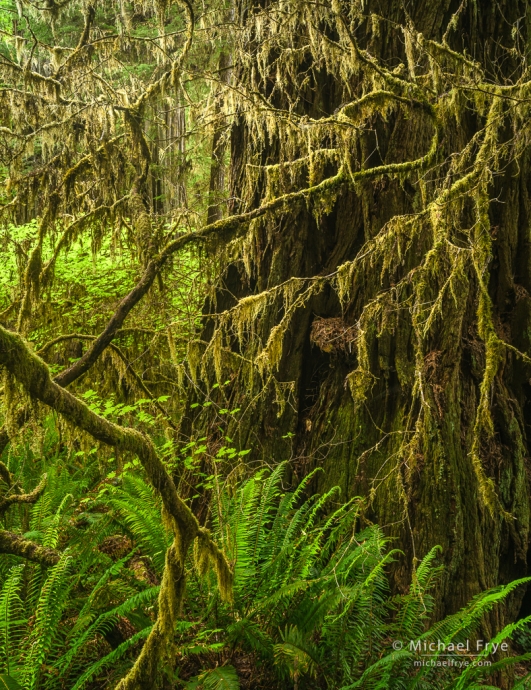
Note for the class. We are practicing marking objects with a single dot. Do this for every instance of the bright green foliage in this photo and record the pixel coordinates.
(221, 678)
(54, 622)
(311, 594)
(9, 683)
(311, 598)
(311, 606)
(137, 508)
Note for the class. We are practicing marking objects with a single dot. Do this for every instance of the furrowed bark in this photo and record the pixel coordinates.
(461, 370)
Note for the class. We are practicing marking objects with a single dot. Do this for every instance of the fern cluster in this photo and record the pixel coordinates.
(311, 602)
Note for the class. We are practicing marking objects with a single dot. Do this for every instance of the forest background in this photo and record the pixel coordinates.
(265, 328)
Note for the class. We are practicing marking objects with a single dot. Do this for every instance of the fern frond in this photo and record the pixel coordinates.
(51, 603)
(102, 622)
(11, 616)
(220, 678)
(110, 658)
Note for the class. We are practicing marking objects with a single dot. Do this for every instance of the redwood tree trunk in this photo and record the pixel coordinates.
(434, 498)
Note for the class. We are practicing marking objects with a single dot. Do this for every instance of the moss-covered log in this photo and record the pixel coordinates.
(16, 545)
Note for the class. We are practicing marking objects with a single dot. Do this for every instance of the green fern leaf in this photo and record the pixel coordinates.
(9, 683)
(110, 658)
(220, 678)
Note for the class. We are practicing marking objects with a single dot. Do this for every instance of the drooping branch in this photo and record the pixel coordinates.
(234, 224)
(34, 375)
(129, 368)
(5, 474)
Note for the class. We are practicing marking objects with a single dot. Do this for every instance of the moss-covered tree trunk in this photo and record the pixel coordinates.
(432, 430)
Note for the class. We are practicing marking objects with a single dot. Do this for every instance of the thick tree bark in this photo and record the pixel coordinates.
(435, 497)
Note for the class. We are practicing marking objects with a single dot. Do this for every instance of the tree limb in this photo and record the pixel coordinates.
(32, 497)
(17, 545)
(33, 373)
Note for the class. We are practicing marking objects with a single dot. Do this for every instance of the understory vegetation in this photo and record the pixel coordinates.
(310, 606)
(265, 345)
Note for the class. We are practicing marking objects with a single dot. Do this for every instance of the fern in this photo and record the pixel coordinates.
(9, 683)
(311, 593)
(110, 658)
(221, 678)
(102, 622)
(136, 506)
(11, 617)
(51, 603)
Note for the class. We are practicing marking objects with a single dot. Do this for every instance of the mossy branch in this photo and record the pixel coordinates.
(7, 501)
(17, 545)
(5, 474)
(33, 374)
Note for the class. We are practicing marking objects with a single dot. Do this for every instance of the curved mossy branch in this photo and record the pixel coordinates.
(123, 332)
(70, 176)
(235, 224)
(5, 474)
(33, 374)
(370, 103)
(17, 545)
(83, 41)
(31, 498)
(221, 227)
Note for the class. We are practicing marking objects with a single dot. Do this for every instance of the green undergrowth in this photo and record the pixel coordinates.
(89, 277)
(312, 605)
